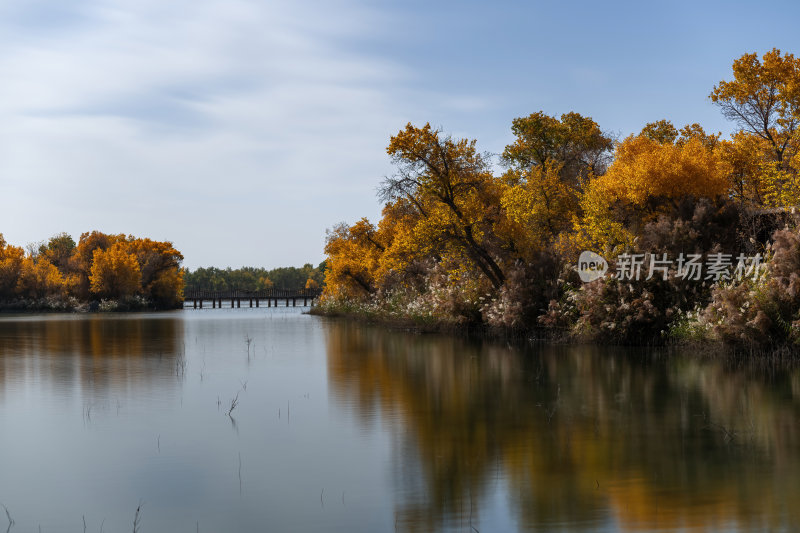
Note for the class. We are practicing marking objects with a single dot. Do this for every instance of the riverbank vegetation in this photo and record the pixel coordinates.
(100, 271)
(461, 243)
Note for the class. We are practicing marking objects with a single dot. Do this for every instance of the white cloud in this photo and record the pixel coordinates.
(137, 119)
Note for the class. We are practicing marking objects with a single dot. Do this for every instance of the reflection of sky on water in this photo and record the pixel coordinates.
(94, 357)
(342, 427)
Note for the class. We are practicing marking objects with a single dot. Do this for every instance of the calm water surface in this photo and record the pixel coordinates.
(343, 427)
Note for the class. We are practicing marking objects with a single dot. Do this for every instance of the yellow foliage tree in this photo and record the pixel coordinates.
(126, 266)
(449, 183)
(645, 170)
(115, 272)
(600, 225)
(647, 177)
(538, 208)
(744, 155)
(39, 278)
(83, 257)
(353, 254)
(781, 186)
(402, 249)
(11, 259)
(764, 100)
(161, 275)
(166, 289)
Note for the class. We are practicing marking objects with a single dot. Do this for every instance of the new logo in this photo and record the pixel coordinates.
(591, 266)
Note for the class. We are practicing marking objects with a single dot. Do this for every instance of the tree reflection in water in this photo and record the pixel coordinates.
(575, 436)
(97, 357)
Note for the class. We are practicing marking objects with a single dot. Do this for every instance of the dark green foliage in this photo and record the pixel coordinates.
(251, 278)
(59, 250)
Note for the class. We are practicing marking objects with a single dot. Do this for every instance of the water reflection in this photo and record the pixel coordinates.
(575, 437)
(95, 354)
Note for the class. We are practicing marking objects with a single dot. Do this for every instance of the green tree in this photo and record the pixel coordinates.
(59, 250)
(661, 131)
(575, 143)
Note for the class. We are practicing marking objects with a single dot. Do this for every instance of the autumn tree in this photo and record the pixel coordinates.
(11, 259)
(646, 172)
(537, 208)
(99, 265)
(405, 260)
(38, 277)
(647, 178)
(764, 100)
(695, 131)
(161, 276)
(115, 272)
(450, 185)
(353, 253)
(83, 258)
(549, 163)
(744, 157)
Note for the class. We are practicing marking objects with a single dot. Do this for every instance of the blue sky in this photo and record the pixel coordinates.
(241, 130)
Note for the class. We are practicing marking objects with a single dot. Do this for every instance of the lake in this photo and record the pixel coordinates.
(241, 420)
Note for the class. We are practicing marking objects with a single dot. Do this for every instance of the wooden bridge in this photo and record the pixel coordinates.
(235, 297)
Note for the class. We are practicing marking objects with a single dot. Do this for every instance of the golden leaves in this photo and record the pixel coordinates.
(11, 258)
(100, 265)
(645, 169)
(537, 207)
(115, 272)
(39, 278)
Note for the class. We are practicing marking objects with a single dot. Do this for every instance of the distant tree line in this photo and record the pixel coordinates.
(252, 278)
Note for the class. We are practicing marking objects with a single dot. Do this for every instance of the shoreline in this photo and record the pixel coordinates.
(779, 354)
(73, 305)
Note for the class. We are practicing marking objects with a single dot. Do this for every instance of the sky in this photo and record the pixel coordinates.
(242, 130)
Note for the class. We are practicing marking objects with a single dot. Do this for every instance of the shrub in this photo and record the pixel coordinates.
(764, 310)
